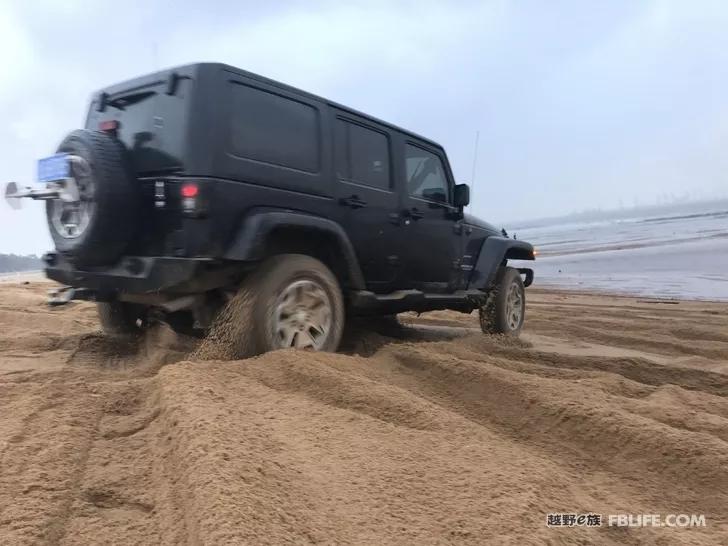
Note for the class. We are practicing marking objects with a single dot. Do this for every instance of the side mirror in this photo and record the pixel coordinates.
(462, 195)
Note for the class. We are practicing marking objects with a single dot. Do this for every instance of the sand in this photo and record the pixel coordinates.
(425, 433)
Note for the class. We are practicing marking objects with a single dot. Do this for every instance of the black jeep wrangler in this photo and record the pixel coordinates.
(194, 184)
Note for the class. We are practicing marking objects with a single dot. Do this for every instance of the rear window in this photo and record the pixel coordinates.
(152, 124)
(362, 155)
(272, 129)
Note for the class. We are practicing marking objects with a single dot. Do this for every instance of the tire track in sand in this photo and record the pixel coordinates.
(431, 437)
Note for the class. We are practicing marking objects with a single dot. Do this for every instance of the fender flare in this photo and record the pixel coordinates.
(250, 239)
(493, 253)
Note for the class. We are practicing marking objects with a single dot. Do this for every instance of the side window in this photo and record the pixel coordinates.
(426, 175)
(362, 155)
(272, 129)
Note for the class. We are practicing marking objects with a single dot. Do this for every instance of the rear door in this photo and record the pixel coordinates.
(367, 202)
(431, 221)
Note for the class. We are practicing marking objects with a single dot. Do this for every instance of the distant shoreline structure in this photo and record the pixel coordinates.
(31, 275)
(14, 263)
(686, 208)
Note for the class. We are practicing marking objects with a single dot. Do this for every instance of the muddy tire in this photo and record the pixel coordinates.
(183, 323)
(290, 301)
(505, 310)
(121, 319)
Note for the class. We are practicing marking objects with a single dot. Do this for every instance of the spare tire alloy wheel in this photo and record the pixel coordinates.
(94, 220)
(302, 316)
(69, 217)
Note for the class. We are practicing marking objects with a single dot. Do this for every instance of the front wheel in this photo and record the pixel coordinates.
(505, 310)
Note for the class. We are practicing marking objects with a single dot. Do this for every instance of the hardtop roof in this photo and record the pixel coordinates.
(192, 69)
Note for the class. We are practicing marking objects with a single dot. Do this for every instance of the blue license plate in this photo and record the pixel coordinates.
(55, 167)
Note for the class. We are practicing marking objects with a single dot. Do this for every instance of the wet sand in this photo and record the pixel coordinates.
(676, 255)
(694, 270)
(428, 432)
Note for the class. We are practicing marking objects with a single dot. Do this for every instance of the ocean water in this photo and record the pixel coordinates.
(668, 254)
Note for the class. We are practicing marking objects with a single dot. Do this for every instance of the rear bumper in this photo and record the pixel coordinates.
(133, 274)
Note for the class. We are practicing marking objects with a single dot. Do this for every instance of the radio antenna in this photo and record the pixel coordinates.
(475, 162)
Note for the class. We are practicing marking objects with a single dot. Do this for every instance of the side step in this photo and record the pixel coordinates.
(364, 301)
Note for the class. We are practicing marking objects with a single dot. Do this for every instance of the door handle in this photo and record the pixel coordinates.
(414, 213)
(353, 202)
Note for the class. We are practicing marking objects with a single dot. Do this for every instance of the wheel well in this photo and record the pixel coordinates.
(517, 253)
(319, 244)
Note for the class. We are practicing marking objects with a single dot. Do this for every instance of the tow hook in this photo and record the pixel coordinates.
(62, 296)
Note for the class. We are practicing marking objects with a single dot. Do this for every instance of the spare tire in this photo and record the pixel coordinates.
(96, 229)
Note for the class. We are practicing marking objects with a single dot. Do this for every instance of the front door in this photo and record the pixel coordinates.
(368, 203)
(431, 221)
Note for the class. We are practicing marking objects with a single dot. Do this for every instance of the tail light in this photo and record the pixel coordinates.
(189, 190)
(193, 202)
(110, 126)
(190, 198)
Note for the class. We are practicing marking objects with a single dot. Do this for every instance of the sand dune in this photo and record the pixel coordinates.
(428, 432)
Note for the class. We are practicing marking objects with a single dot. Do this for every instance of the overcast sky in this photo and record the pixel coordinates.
(579, 104)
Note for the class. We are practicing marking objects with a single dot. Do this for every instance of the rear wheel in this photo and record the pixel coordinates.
(290, 301)
(505, 310)
(121, 319)
(183, 322)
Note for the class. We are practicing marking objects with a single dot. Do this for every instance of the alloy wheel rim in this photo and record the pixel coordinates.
(514, 306)
(302, 316)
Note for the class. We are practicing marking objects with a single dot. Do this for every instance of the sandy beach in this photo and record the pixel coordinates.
(428, 432)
